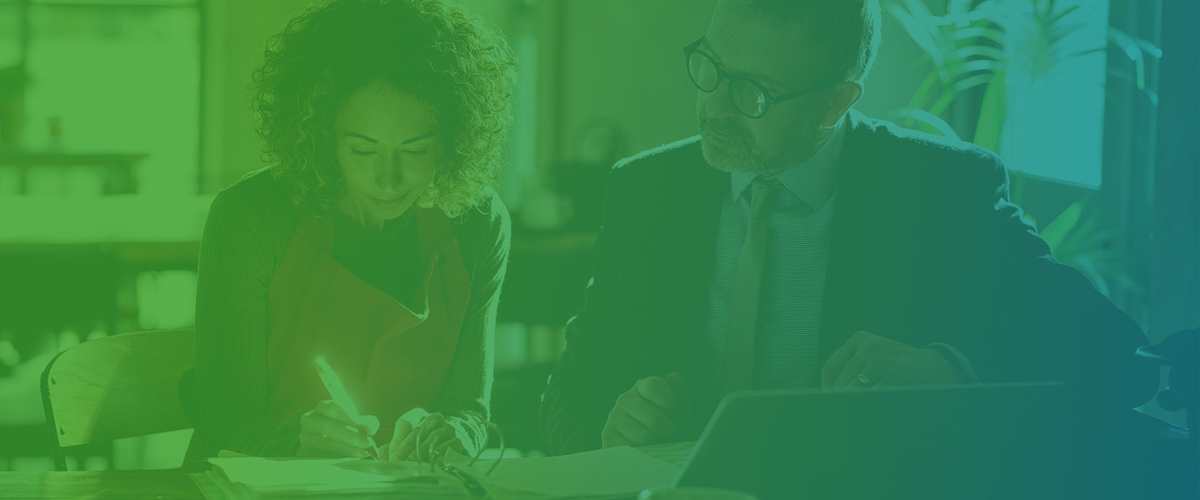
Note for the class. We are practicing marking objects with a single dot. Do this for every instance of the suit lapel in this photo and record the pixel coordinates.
(860, 237)
(687, 232)
(697, 213)
(858, 241)
(698, 204)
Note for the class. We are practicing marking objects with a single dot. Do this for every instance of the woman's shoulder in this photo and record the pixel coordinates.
(484, 230)
(258, 188)
(256, 203)
(488, 216)
(257, 195)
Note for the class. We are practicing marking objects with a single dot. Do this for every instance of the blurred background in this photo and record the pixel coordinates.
(121, 119)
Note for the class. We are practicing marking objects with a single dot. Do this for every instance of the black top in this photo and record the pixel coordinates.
(385, 258)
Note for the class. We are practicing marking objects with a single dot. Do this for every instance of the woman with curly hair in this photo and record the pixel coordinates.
(372, 240)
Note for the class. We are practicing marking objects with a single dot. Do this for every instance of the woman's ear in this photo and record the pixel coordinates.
(843, 96)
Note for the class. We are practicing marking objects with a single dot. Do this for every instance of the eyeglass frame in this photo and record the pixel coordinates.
(723, 75)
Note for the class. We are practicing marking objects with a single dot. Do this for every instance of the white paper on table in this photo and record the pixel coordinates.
(606, 472)
(261, 474)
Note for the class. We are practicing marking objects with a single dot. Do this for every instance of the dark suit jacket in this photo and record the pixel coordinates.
(926, 247)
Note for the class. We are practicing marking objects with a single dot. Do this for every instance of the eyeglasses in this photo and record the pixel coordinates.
(749, 97)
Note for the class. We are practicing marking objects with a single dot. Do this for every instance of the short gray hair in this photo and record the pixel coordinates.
(846, 31)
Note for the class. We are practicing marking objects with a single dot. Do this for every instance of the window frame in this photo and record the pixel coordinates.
(200, 7)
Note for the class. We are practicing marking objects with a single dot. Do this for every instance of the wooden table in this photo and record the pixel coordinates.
(171, 484)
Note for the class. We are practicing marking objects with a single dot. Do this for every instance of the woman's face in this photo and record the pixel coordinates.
(387, 150)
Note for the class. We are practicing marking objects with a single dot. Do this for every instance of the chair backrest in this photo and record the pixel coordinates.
(116, 387)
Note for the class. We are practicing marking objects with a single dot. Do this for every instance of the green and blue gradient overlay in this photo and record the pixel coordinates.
(121, 120)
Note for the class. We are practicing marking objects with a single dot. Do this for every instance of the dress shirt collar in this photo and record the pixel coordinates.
(812, 180)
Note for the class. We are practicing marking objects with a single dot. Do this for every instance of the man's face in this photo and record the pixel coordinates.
(747, 43)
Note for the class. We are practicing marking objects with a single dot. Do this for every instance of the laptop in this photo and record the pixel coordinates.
(953, 442)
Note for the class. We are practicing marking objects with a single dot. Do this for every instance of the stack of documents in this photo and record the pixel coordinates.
(606, 473)
(247, 478)
(619, 472)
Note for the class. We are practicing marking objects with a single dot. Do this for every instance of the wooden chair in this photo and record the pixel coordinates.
(115, 387)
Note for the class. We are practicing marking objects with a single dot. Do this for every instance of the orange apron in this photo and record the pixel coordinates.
(391, 358)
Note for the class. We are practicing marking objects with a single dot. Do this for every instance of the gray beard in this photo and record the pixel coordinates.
(738, 154)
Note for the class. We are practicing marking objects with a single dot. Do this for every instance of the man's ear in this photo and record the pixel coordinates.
(841, 98)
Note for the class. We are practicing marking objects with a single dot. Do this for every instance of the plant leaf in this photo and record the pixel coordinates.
(972, 34)
(992, 114)
(959, 87)
(924, 94)
(931, 120)
(918, 30)
(983, 52)
(978, 65)
(1056, 230)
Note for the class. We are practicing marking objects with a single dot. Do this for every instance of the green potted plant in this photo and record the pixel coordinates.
(965, 44)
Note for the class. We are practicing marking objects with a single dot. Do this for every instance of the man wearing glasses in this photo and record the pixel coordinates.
(797, 243)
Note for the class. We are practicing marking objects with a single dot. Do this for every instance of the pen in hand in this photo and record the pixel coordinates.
(337, 392)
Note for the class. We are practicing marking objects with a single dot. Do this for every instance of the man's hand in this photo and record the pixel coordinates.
(649, 413)
(867, 360)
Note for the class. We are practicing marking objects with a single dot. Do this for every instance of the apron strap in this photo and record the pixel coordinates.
(434, 228)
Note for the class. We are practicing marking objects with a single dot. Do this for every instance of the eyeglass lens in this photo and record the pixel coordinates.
(747, 97)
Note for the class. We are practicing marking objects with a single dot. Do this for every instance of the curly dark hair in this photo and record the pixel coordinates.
(457, 64)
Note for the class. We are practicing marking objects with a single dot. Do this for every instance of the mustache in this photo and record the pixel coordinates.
(724, 126)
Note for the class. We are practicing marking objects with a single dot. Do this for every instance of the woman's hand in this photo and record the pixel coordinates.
(328, 431)
(434, 435)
